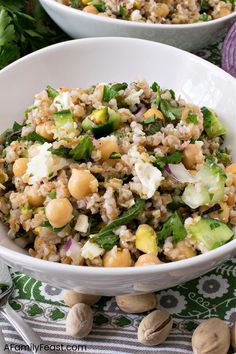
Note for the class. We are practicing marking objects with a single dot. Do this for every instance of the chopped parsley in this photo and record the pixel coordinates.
(110, 92)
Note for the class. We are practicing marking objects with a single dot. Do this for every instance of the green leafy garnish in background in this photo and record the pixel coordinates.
(24, 28)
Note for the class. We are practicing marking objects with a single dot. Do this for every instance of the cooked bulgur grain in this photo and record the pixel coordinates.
(103, 176)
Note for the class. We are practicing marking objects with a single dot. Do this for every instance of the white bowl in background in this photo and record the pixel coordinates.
(79, 24)
(81, 63)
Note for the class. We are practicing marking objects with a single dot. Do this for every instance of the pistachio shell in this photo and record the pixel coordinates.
(233, 336)
(136, 303)
(72, 297)
(79, 321)
(211, 337)
(155, 327)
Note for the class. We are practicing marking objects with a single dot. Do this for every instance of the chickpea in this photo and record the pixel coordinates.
(231, 199)
(103, 14)
(162, 10)
(223, 215)
(232, 170)
(153, 112)
(224, 11)
(20, 166)
(90, 9)
(117, 258)
(82, 183)
(107, 146)
(59, 212)
(180, 251)
(147, 259)
(34, 197)
(45, 130)
(192, 155)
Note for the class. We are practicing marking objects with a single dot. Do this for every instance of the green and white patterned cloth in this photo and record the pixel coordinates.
(41, 305)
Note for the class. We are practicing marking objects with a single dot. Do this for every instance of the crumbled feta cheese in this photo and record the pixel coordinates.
(91, 250)
(149, 176)
(43, 163)
(136, 15)
(82, 223)
(74, 252)
(133, 97)
(63, 101)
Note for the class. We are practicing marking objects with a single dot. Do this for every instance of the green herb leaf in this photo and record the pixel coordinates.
(172, 92)
(122, 11)
(83, 150)
(172, 227)
(75, 4)
(51, 92)
(205, 6)
(107, 240)
(30, 109)
(12, 134)
(61, 151)
(175, 157)
(149, 120)
(204, 17)
(34, 137)
(192, 118)
(169, 111)
(155, 87)
(129, 215)
(24, 27)
(55, 229)
(100, 5)
(223, 157)
(115, 155)
(52, 195)
(110, 92)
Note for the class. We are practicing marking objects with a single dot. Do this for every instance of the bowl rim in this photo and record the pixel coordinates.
(29, 261)
(138, 24)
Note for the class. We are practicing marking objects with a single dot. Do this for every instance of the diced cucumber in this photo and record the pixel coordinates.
(208, 189)
(102, 122)
(211, 233)
(213, 178)
(195, 195)
(212, 124)
(64, 119)
(99, 116)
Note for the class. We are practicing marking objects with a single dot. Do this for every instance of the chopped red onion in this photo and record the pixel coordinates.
(179, 172)
(228, 52)
(141, 112)
(68, 244)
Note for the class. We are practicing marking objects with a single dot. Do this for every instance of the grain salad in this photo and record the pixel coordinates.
(117, 175)
(151, 11)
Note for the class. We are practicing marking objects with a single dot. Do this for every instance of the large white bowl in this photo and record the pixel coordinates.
(81, 63)
(79, 24)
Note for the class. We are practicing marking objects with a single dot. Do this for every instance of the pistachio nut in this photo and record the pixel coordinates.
(79, 321)
(155, 327)
(211, 337)
(72, 297)
(136, 303)
(233, 336)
